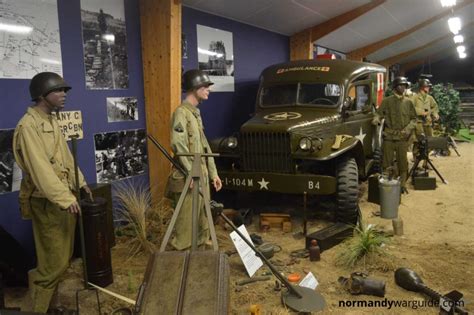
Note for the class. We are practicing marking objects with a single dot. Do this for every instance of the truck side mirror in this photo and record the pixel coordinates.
(347, 103)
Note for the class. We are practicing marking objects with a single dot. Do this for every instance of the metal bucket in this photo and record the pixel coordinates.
(389, 190)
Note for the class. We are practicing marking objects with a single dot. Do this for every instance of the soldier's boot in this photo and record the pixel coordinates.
(41, 299)
(403, 181)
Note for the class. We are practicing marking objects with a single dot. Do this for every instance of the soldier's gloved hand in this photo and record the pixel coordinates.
(375, 121)
(217, 183)
(435, 117)
(74, 208)
(88, 192)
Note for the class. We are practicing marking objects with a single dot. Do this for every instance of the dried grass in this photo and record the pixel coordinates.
(147, 220)
(366, 244)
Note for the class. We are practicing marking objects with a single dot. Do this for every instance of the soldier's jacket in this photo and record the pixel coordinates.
(187, 136)
(400, 117)
(44, 157)
(425, 103)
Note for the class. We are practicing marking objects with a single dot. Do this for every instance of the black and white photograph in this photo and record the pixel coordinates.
(122, 109)
(120, 154)
(216, 57)
(105, 44)
(10, 173)
(320, 50)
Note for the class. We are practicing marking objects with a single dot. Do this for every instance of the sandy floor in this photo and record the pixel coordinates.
(438, 243)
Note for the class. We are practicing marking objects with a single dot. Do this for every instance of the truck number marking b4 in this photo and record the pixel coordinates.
(313, 185)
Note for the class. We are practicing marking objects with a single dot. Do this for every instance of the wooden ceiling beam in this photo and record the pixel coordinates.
(360, 53)
(301, 43)
(394, 59)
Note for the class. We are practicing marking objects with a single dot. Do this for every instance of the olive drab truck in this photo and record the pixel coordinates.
(311, 132)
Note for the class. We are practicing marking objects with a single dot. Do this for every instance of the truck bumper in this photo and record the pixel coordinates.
(277, 182)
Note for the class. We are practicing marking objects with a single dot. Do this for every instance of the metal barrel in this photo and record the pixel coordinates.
(389, 197)
(99, 262)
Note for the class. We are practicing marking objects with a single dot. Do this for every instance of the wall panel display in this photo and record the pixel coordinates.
(105, 44)
(120, 154)
(10, 173)
(216, 57)
(29, 38)
(122, 109)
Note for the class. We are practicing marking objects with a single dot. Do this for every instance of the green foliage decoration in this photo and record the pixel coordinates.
(448, 102)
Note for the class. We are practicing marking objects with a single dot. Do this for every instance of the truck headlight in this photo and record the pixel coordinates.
(305, 144)
(231, 142)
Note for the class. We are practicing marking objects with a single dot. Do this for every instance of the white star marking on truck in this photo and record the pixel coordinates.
(361, 136)
(263, 184)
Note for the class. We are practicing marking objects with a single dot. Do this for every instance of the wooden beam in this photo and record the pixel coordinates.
(431, 58)
(360, 53)
(160, 22)
(301, 46)
(394, 59)
(301, 43)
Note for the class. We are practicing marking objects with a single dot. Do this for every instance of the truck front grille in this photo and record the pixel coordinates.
(266, 152)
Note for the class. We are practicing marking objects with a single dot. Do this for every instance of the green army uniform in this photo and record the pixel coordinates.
(400, 119)
(46, 191)
(424, 103)
(187, 136)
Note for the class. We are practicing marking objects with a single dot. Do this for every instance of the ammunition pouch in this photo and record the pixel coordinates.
(175, 182)
(360, 283)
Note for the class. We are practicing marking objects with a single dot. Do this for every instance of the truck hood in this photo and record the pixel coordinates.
(289, 119)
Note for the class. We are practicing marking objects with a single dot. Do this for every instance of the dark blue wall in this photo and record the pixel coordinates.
(15, 99)
(223, 113)
(460, 72)
(254, 50)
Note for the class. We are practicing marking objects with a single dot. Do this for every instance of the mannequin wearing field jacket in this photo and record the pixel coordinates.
(187, 136)
(400, 121)
(46, 192)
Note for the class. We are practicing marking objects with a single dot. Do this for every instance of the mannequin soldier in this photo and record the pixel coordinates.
(46, 192)
(187, 136)
(400, 120)
(426, 111)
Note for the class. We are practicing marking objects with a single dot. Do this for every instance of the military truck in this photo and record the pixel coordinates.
(311, 132)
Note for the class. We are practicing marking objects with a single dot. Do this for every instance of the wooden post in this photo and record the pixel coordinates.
(160, 22)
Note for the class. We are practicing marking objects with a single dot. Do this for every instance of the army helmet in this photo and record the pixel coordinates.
(424, 82)
(400, 81)
(44, 83)
(195, 79)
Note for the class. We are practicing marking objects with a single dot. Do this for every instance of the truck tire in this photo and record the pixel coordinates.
(347, 196)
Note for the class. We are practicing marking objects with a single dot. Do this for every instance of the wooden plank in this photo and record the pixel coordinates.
(301, 43)
(360, 53)
(160, 22)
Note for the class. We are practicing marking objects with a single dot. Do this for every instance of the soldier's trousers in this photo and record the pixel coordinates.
(399, 148)
(53, 231)
(183, 226)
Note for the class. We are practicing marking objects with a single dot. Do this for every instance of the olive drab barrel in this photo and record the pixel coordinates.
(99, 262)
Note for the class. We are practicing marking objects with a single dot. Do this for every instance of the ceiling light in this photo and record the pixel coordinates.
(110, 38)
(454, 24)
(17, 29)
(458, 39)
(448, 3)
(462, 55)
(461, 49)
(210, 53)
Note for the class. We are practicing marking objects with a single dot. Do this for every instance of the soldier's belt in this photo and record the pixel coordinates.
(278, 182)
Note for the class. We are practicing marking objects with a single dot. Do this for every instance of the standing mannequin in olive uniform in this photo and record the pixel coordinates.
(426, 111)
(400, 119)
(46, 193)
(187, 136)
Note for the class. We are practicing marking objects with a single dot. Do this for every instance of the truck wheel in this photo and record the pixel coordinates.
(347, 197)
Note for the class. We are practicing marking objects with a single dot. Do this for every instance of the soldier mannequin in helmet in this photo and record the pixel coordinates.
(426, 111)
(46, 193)
(187, 136)
(400, 120)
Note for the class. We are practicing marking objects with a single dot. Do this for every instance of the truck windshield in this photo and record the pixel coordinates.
(307, 94)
